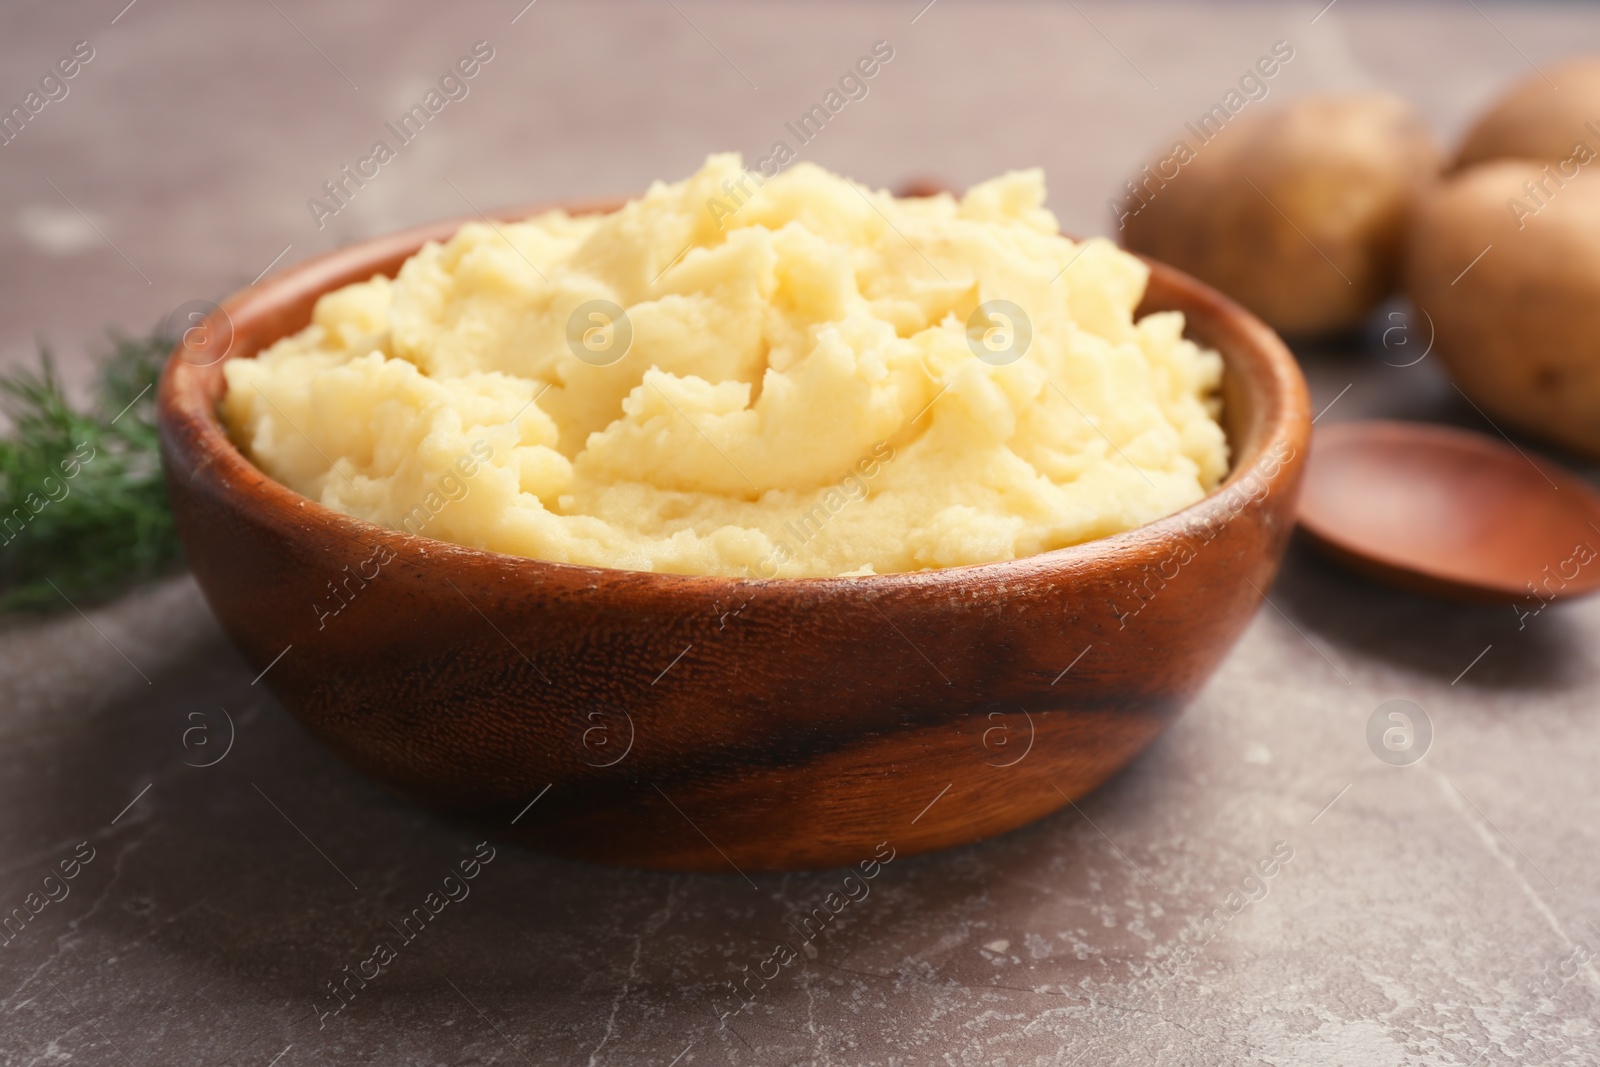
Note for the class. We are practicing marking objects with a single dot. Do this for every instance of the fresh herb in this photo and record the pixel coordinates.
(83, 510)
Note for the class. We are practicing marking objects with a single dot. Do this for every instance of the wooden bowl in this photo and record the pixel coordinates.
(708, 723)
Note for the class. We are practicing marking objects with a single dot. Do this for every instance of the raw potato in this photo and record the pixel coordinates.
(1315, 244)
(1536, 121)
(1520, 330)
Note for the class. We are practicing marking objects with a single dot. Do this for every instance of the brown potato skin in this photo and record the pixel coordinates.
(1537, 121)
(1315, 245)
(1520, 330)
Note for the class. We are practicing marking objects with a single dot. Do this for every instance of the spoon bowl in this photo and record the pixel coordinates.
(1451, 512)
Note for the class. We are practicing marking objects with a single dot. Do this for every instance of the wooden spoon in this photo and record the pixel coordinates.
(1451, 512)
(924, 186)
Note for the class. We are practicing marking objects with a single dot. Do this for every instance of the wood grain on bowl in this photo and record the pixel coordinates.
(718, 723)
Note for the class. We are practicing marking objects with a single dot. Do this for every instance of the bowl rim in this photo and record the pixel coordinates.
(195, 443)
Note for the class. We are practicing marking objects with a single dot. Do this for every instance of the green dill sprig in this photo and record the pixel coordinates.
(83, 510)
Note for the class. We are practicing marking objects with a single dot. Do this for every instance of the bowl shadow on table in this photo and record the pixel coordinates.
(1426, 634)
(248, 871)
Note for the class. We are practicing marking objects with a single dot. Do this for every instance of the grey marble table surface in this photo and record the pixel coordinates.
(1436, 913)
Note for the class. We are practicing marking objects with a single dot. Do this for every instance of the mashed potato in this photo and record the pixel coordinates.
(801, 394)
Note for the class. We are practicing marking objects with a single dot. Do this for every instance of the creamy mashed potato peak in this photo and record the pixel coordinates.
(792, 389)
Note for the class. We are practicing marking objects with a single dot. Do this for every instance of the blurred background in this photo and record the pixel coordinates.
(179, 163)
(1437, 914)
